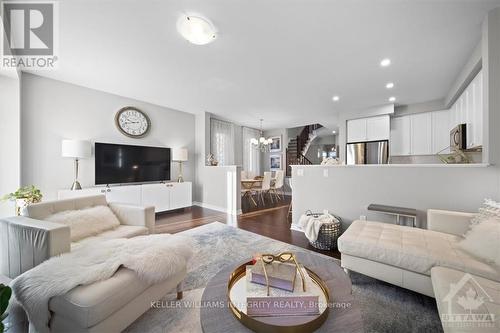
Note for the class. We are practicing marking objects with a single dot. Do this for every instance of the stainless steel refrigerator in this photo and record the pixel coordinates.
(375, 152)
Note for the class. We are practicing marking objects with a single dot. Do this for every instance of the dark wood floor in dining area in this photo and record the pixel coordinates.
(271, 220)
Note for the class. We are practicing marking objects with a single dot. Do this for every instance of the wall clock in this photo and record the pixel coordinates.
(132, 122)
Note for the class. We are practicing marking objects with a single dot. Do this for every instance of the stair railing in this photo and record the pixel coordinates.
(297, 158)
(303, 137)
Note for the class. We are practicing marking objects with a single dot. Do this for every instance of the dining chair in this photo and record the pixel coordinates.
(265, 187)
(278, 186)
(250, 175)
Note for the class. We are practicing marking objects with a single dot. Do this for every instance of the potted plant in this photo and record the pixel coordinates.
(5, 293)
(24, 196)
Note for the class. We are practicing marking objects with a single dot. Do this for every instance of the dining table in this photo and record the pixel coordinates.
(253, 183)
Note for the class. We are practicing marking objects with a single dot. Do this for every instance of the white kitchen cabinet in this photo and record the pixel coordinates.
(356, 130)
(400, 143)
(475, 113)
(441, 131)
(468, 109)
(378, 128)
(421, 133)
(368, 129)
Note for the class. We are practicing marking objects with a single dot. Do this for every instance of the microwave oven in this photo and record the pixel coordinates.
(458, 138)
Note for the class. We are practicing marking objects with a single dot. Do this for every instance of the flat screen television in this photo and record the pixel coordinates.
(119, 164)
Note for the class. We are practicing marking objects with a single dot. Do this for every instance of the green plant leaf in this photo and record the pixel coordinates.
(5, 294)
(29, 193)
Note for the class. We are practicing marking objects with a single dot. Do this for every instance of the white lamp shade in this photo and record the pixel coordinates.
(76, 149)
(180, 154)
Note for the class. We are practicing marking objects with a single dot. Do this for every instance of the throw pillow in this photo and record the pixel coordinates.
(86, 222)
(483, 239)
(489, 209)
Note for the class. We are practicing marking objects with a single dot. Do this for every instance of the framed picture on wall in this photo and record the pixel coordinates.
(275, 162)
(275, 144)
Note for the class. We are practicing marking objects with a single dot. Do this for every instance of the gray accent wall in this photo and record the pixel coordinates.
(53, 110)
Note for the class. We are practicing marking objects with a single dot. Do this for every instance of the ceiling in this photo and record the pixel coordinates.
(281, 60)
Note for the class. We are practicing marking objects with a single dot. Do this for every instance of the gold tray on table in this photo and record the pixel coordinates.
(293, 324)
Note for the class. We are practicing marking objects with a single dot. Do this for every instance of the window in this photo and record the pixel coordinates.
(222, 141)
(251, 156)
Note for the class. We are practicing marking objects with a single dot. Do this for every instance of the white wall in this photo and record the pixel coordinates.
(221, 189)
(10, 140)
(348, 190)
(54, 110)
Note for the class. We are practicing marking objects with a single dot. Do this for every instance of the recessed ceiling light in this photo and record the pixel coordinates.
(389, 85)
(385, 62)
(334, 132)
(196, 30)
(335, 98)
(392, 99)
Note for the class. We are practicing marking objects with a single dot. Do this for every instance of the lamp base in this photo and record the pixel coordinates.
(180, 179)
(76, 186)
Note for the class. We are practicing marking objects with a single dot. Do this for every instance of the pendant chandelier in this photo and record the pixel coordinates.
(261, 143)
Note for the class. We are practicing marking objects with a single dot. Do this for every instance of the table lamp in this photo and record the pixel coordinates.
(180, 155)
(76, 149)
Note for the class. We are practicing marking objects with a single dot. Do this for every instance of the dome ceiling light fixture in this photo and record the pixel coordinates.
(196, 30)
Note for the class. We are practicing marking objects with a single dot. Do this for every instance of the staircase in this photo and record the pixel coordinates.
(298, 146)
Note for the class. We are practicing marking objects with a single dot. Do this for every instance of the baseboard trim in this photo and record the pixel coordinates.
(217, 208)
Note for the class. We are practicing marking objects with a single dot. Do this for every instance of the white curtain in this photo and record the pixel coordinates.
(222, 141)
(251, 155)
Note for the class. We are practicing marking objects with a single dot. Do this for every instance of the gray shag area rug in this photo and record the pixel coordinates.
(384, 307)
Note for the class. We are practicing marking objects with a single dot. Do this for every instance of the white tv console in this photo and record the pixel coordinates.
(163, 196)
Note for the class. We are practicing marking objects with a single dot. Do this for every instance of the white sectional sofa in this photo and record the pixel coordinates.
(426, 261)
(104, 306)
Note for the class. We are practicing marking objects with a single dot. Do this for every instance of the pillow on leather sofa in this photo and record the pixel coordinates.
(86, 222)
(483, 240)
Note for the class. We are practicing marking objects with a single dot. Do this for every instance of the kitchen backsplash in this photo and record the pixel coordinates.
(429, 159)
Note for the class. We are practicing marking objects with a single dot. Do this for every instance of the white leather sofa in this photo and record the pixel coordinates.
(105, 306)
(427, 261)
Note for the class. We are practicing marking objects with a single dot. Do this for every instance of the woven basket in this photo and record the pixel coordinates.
(328, 233)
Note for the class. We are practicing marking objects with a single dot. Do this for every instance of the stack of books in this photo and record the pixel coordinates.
(286, 294)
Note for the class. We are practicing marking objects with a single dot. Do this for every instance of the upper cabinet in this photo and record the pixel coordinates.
(356, 130)
(468, 109)
(428, 133)
(441, 131)
(421, 133)
(400, 143)
(368, 129)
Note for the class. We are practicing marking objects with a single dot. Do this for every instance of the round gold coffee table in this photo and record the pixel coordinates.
(343, 314)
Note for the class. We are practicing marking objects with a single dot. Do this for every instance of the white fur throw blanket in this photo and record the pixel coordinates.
(154, 258)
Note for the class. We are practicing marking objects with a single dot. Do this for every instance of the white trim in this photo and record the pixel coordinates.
(217, 208)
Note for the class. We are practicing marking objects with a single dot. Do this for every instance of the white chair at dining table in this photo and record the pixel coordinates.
(265, 187)
(279, 184)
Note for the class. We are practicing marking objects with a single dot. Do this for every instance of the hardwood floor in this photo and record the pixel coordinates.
(271, 221)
